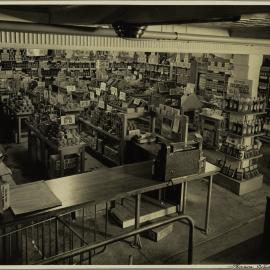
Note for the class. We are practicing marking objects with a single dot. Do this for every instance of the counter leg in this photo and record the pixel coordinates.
(184, 197)
(180, 199)
(137, 239)
(62, 157)
(83, 160)
(19, 129)
(208, 204)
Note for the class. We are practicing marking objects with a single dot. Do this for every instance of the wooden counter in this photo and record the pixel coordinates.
(102, 186)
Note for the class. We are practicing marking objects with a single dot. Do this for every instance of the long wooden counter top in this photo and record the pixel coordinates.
(102, 186)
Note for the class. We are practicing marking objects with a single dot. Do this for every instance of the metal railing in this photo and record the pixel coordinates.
(30, 242)
(70, 238)
(60, 258)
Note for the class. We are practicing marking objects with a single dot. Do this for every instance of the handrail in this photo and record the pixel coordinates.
(120, 237)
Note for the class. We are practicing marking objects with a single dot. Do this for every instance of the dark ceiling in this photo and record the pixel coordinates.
(228, 17)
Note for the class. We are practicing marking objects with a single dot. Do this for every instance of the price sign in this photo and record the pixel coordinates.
(92, 96)
(71, 88)
(122, 96)
(137, 101)
(103, 86)
(109, 108)
(129, 67)
(68, 119)
(84, 103)
(41, 84)
(98, 92)
(114, 91)
(46, 94)
(101, 104)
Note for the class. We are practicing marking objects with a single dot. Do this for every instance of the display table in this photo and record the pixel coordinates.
(19, 119)
(46, 147)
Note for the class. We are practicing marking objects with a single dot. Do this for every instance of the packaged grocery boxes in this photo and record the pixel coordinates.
(4, 196)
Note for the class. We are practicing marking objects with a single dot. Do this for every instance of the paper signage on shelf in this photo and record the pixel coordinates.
(71, 88)
(242, 87)
(103, 86)
(114, 91)
(101, 104)
(122, 96)
(137, 101)
(68, 119)
(98, 92)
(46, 94)
(84, 103)
(109, 108)
(92, 96)
(129, 68)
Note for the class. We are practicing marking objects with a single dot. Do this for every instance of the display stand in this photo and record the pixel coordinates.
(239, 170)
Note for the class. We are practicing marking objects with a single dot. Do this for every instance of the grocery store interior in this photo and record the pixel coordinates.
(134, 134)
